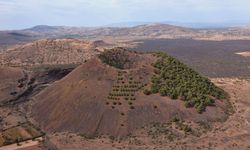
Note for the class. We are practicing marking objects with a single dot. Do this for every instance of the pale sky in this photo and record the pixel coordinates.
(17, 14)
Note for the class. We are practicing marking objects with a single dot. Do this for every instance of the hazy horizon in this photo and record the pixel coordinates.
(20, 14)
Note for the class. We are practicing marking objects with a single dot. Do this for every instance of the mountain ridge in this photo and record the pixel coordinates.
(146, 31)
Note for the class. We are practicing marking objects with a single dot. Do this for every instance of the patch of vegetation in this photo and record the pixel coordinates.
(147, 92)
(13, 93)
(158, 130)
(125, 91)
(86, 136)
(186, 128)
(176, 80)
(130, 103)
(117, 58)
(205, 125)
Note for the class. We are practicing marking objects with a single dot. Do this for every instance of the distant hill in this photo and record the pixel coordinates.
(198, 25)
(147, 31)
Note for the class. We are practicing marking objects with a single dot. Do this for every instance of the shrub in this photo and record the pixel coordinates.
(132, 99)
(147, 92)
(13, 93)
(175, 119)
(186, 128)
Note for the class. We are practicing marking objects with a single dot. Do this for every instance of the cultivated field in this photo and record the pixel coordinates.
(211, 58)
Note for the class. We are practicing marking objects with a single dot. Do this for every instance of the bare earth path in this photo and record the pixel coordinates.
(23, 145)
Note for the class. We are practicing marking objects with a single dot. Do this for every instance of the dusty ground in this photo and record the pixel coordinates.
(234, 134)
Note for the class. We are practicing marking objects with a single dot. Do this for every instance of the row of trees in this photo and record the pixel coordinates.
(174, 79)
